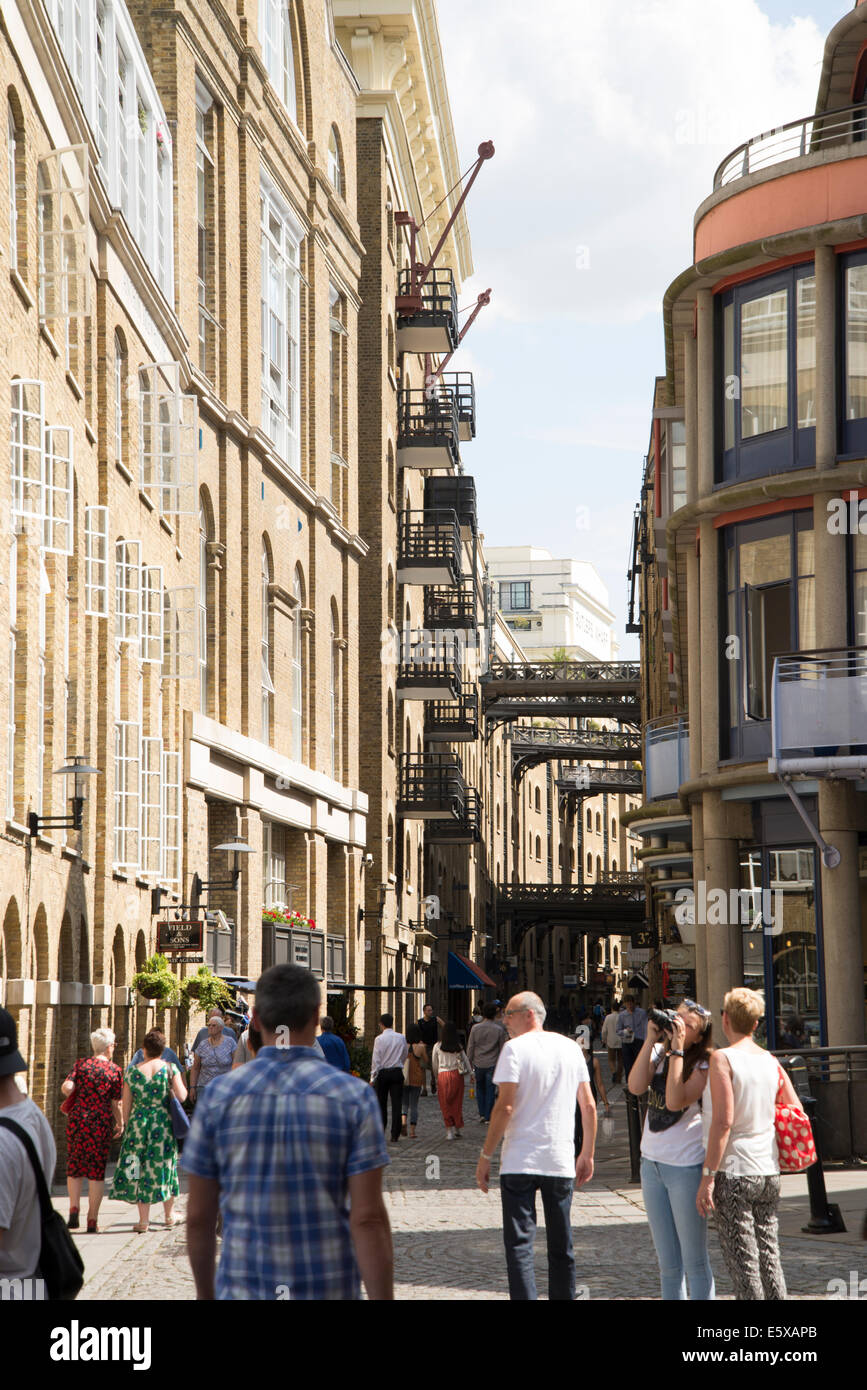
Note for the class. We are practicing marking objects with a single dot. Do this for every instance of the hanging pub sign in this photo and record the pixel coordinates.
(182, 932)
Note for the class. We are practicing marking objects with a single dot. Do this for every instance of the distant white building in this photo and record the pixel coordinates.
(552, 603)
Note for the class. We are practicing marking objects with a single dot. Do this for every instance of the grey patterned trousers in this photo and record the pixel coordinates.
(746, 1210)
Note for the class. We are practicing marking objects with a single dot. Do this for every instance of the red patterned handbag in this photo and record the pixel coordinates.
(795, 1144)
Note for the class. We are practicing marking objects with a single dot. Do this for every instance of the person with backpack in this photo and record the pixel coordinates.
(20, 1215)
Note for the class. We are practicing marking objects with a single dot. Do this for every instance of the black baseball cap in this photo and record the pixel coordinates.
(10, 1058)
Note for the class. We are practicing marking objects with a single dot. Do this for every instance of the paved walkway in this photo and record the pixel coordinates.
(448, 1236)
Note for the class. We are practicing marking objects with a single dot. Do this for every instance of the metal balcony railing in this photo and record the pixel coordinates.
(466, 829)
(451, 607)
(453, 721)
(428, 548)
(432, 674)
(428, 430)
(819, 711)
(428, 315)
(431, 786)
(462, 389)
(810, 135)
(666, 756)
(456, 493)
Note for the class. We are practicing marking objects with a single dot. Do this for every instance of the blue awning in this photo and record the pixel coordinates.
(463, 974)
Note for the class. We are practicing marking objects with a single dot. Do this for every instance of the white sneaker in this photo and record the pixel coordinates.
(450, 1134)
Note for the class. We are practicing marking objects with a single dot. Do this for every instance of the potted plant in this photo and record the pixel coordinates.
(205, 989)
(157, 981)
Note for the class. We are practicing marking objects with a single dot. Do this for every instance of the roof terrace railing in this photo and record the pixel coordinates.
(846, 126)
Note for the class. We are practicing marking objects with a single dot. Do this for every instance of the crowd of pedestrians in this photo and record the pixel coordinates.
(285, 1157)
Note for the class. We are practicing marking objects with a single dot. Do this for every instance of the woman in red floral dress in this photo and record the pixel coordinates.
(96, 1086)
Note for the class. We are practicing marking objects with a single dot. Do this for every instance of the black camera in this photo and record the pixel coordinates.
(663, 1018)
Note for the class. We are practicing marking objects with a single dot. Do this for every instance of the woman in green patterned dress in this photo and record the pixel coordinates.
(147, 1168)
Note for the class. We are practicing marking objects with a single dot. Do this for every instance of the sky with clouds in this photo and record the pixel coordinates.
(609, 120)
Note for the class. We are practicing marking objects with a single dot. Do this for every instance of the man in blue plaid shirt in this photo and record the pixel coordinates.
(290, 1151)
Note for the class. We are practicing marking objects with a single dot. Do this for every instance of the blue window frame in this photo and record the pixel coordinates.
(852, 318)
(766, 375)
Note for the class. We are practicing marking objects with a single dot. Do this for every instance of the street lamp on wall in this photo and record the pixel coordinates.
(78, 769)
(233, 848)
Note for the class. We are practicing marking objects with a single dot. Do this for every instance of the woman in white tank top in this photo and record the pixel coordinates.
(741, 1179)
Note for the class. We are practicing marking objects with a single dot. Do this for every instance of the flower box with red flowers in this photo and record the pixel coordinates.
(286, 917)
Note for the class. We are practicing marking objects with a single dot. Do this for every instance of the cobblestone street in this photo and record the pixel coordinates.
(448, 1235)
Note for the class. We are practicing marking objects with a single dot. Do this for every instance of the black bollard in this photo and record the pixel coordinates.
(825, 1216)
(633, 1126)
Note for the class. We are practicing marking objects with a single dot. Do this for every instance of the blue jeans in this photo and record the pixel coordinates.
(486, 1091)
(518, 1193)
(679, 1233)
(410, 1103)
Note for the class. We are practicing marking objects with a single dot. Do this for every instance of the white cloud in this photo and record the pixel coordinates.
(609, 120)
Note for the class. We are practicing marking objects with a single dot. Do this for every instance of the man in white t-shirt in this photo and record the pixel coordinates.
(539, 1075)
(20, 1220)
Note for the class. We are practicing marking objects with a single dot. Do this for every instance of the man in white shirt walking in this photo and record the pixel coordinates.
(20, 1216)
(386, 1072)
(612, 1041)
(539, 1075)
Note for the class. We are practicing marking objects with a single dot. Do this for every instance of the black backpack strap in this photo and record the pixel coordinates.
(41, 1185)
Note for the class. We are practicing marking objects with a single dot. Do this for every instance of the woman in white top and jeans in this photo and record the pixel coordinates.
(673, 1069)
(741, 1180)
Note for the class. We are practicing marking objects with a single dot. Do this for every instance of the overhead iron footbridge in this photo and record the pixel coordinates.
(533, 745)
(615, 906)
(514, 690)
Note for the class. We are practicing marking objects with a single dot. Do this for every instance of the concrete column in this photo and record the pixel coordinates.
(701, 984)
(724, 958)
(826, 367)
(694, 630)
(705, 394)
(841, 917)
(708, 617)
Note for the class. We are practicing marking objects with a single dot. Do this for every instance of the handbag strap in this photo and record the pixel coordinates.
(41, 1185)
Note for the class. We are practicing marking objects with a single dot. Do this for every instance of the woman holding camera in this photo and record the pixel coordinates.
(672, 1068)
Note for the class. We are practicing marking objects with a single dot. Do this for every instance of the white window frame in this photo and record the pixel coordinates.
(170, 820)
(268, 691)
(27, 449)
(63, 183)
(180, 611)
(96, 562)
(58, 523)
(127, 590)
(297, 679)
(274, 862)
(278, 51)
(168, 440)
(281, 238)
(111, 75)
(151, 614)
(127, 793)
(119, 396)
(12, 160)
(150, 807)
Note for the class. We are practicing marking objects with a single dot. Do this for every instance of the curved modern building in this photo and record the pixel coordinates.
(752, 555)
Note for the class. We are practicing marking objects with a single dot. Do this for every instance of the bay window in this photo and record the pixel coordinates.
(769, 610)
(766, 356)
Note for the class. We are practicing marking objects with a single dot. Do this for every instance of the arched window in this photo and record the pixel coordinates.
(14, 153)
(390, 469)
(267, 675)
(407, 859)
(614, 866)
(391, 358)
(389, 849)
(335, 163)
(278, 50)
(335, 693)
(389, 722)
(297, 674)
(538, 800)
(598, 867)
(589, 819)
(120, 369)
(538, 847)
(613, 828)
(205, 601)
(498, 815)
(499, 765)
(589, 865)
(598, 824)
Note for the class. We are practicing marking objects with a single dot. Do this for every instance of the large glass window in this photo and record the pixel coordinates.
(515, 595)
(854, 431)
(766, 352)
(781, 944)
(275, 36)
(12, 161)
(770, 610)
(205, 186)
(281, 325)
